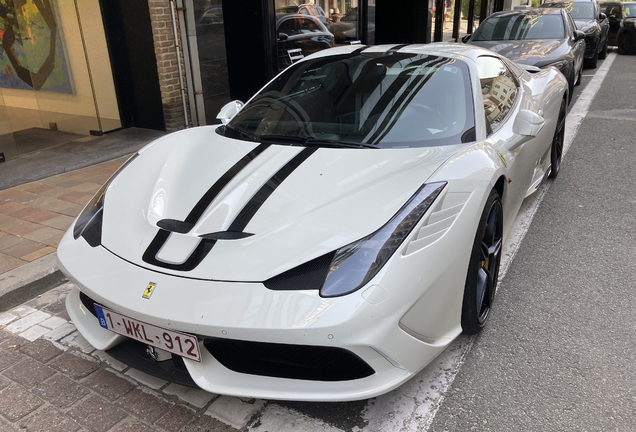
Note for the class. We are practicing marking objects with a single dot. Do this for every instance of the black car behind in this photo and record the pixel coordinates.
(590, 20)
(535, 37)
(622, 19)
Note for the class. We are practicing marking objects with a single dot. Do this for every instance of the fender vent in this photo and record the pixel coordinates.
(439, 221)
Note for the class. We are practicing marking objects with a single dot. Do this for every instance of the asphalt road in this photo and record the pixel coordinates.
(558, 353)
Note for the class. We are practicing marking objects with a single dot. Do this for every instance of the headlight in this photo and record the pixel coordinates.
(88, 223)
(357, 263)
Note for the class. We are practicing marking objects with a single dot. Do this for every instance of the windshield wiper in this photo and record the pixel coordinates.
(311, 141)
(241, 133)
(338, 144)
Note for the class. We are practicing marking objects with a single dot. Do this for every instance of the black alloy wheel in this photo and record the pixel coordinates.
(626, 43)
(483, 268)
(556, 151)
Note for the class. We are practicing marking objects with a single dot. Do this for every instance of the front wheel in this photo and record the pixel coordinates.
(556, 151)
(625, 43)
(483, 268)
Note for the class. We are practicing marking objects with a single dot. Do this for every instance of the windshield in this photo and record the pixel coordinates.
(578, 10)
(516, 26)
(581, 10)
(394, 100)
(630, 11)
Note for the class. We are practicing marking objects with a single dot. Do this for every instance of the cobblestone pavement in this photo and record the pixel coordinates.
(35, 216)
(52, 380)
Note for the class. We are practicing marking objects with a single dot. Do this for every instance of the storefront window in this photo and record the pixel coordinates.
(305, 28)
(55, 74)
(210, 31)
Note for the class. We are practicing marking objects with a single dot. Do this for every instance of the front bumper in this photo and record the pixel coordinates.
(382, 330)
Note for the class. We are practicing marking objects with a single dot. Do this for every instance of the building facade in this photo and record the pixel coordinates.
(88, 67)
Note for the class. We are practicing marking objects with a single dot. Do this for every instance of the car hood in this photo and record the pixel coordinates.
(330, 199)
(584, 23)
(535, 52)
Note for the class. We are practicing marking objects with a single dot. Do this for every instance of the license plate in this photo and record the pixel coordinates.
(178, 343)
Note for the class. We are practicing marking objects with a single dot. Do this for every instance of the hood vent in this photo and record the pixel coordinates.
(176, 226)
(226, 235)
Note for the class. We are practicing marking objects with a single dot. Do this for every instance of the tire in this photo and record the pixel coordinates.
(625, 43)
(591, 62)
(603, 54)
(556, 150)
(483, 268)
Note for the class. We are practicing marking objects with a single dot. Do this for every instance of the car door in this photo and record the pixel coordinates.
(502, 94)
(614, 12)
(578, 47)
(604, 23)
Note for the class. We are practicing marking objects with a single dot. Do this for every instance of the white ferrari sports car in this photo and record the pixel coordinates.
(328, 239)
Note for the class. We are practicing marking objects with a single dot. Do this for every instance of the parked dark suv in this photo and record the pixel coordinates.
(590, 20)
(622, 19)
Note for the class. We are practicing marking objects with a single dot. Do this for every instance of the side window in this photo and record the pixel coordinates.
(288, 27)
(498, 90)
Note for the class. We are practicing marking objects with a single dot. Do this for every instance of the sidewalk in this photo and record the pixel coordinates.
(35, 216)
(52, 380)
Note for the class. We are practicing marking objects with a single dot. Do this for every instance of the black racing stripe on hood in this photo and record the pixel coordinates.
(242, 219)
(200, 252)
(166, 226)
(252, 206)
(217, 187)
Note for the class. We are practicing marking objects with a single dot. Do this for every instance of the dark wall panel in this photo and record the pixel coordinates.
(132, 56)
(405, 21)
(250, 45)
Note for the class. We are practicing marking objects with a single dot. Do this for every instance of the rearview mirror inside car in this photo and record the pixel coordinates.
(229, 110)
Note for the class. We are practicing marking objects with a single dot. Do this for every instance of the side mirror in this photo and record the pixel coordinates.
(527, 124)
(612, 17)
(602, 16)
(579, 35)
(466, 38)
(229, 110)
(282, 37)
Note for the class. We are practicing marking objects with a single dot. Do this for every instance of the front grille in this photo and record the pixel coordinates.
(133, 354)
(303, 362)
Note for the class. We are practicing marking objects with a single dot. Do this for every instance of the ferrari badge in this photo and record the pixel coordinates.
(149, 289)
